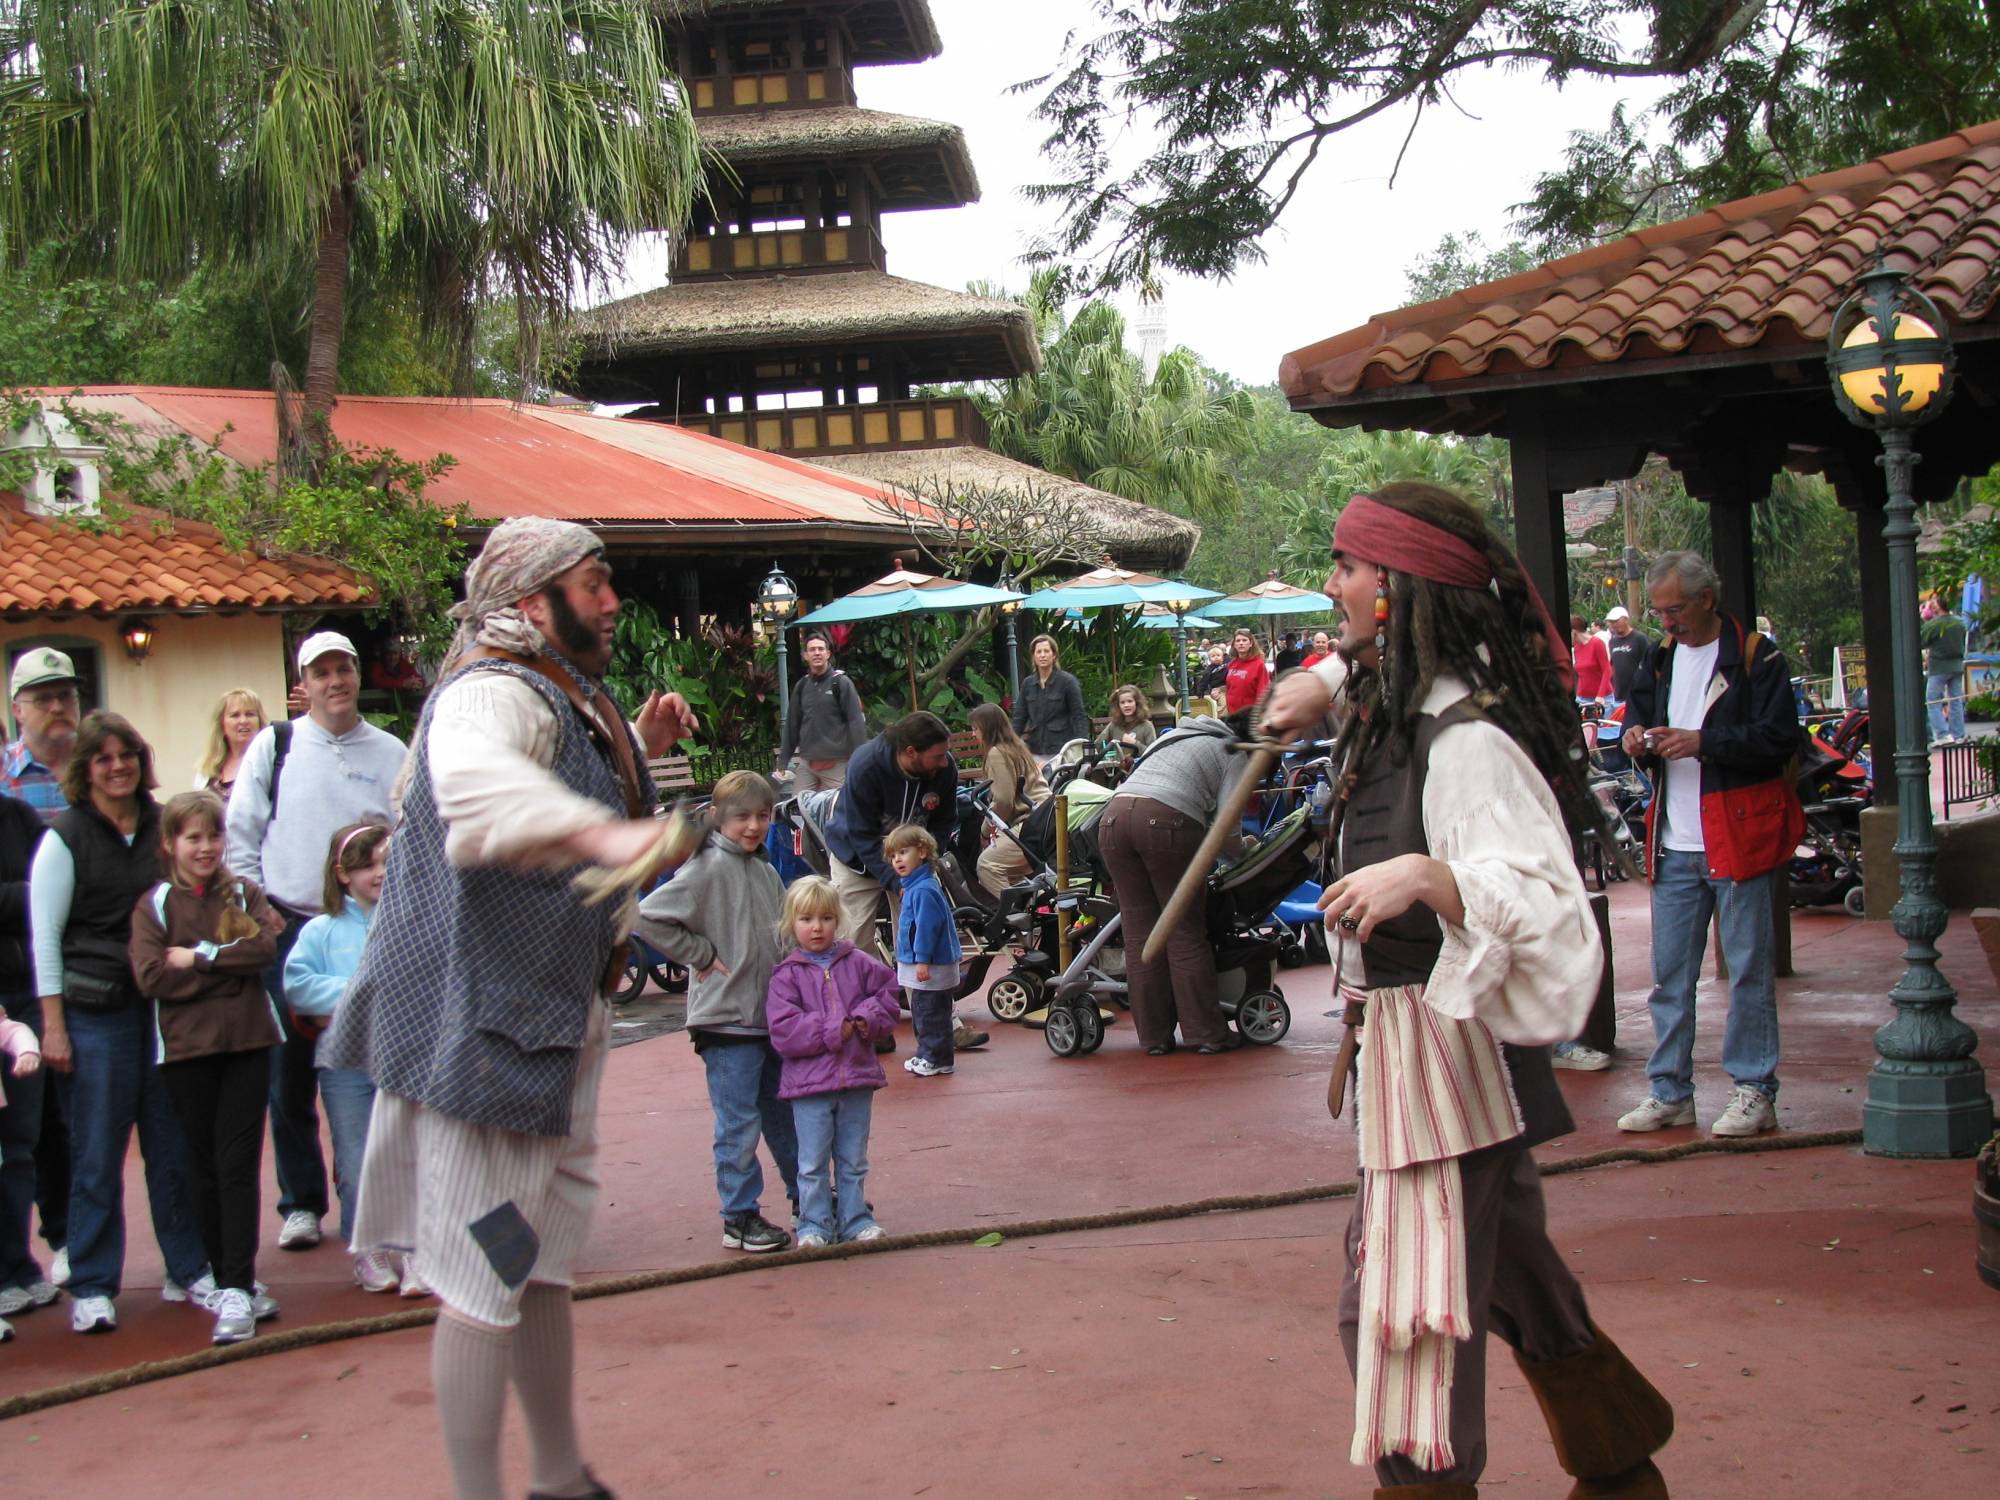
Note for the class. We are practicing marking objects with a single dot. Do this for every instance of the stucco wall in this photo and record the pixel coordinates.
(171, 696)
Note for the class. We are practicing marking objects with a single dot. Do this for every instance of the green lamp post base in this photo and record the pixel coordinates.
(1917, 1109)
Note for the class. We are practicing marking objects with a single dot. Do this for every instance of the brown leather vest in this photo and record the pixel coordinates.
(1385, 818)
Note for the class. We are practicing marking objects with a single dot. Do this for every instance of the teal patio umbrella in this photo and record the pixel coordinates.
(907, 594)
(1271, 597)
(1113, 587)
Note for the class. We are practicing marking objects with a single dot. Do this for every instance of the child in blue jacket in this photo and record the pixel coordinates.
(927, 951)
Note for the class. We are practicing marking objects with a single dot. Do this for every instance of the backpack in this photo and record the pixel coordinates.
(281, 746)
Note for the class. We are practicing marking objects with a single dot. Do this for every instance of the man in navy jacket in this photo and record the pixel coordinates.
(1713, 720)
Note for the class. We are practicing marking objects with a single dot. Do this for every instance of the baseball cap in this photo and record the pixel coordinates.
(1617, 612)
(314, 646)
(42, 665)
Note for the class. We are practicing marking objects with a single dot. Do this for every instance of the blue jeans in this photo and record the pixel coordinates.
(20, 1132)
(1944, 696)
(1684, 898)
(294, 1107)
(932, 1019)
(833, 1130)
(114, 1086)
(349, 1097)
(743, 1093)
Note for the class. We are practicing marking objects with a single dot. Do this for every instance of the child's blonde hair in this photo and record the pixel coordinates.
(741, 791)
(911, 836)
(808, 896)
(185, 810)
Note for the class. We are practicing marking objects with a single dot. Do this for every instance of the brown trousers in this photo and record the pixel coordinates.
(1147, 846)
(1516, 1284)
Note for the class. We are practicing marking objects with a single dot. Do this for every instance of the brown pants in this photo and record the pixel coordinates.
(1147, 846)
(1516, 1284)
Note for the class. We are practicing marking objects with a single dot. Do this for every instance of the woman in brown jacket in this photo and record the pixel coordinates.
(1018, 789)
(201, 940)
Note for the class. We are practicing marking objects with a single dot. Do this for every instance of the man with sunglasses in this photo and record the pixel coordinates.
(1713, 721)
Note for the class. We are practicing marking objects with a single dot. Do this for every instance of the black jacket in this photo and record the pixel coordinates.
(876, 797)
(20, 830)
(1628, 655)
(1049, 717)
(111, 876)
(824, 721)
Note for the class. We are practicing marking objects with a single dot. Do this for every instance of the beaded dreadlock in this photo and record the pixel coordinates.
(1492, 639)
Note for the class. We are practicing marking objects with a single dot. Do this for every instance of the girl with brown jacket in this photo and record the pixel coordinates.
(201, 940)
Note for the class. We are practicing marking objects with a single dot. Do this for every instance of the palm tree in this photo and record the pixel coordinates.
(1092, 414)
(455, 148)
(1361, 462)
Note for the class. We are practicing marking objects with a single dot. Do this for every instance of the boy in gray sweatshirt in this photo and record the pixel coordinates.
(718, 916)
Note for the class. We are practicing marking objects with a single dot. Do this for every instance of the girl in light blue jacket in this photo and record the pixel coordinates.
(324, 958)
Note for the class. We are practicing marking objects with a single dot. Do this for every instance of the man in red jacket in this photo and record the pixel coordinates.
(1712, 717)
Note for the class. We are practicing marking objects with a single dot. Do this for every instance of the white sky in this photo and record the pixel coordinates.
(1336, 258)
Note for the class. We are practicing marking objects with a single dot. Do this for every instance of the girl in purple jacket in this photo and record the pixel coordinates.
(827, 1003)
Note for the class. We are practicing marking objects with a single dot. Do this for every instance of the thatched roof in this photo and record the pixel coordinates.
(884, 31)
(969, 338)
(920, 163)
(1134, 533)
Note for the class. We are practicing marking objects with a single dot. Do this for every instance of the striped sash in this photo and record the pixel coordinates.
(1430, 1090)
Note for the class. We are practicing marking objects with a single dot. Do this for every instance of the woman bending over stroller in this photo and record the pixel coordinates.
(1018, 789)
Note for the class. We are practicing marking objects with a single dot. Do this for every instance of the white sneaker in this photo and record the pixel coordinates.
(1750, 1112)
(1581, 1058)
(234, 1321)
(924, 1068)
(59, 1267)
(15, 1300)
(197, 1291)
(414, 1284)
(92, 1315)
(873, 1232)
(263, 1306)
(1657, 1115)
(301, 1231)
(374, 1272)
(811, 1241)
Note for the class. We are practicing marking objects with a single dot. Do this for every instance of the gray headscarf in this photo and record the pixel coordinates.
(522, 555)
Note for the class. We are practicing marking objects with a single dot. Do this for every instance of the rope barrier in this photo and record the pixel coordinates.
(283, 1341)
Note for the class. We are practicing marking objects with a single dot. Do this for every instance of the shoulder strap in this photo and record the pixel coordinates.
(281, 746)
(610, 733)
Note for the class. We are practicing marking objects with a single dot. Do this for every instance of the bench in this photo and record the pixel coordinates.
(672, 776)
(966, 754)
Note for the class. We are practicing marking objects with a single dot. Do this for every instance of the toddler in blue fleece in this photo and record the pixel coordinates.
(927, 951)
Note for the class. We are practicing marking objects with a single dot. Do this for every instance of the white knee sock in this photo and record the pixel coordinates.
(469, 1372)
(543, 1370)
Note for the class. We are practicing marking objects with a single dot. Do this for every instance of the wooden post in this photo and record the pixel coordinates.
(1538, 520)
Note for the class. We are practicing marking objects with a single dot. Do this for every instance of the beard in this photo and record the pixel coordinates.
(578, 641)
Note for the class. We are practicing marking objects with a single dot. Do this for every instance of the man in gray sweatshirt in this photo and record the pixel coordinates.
(302, 781)
(825, 724)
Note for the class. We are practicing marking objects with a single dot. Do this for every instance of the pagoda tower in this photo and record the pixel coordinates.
(780, 326)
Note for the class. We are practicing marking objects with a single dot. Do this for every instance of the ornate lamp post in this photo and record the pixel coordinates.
(777, 597)
(1180, 608)
(1010, 613)
(1891, 363)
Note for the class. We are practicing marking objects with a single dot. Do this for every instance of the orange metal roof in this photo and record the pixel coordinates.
(1769, 269)
(531, 460)
(148, 563)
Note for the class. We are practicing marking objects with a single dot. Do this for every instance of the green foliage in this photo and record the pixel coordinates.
(452, 149)
(720, 672)
(367, 509)
(1092, 414)
(1970, 545)
(1237, 99)
(1463, 260)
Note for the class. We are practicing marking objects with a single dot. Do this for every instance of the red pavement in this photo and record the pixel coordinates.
(1842, 1285)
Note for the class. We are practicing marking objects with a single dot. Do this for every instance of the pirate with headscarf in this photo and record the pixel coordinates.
(479, 1007)
(1467, 946)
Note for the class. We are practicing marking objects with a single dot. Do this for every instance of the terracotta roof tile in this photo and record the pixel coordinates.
(61, 567)
(1776, 265)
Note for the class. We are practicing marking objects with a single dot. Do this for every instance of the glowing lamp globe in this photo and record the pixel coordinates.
(1897, 381)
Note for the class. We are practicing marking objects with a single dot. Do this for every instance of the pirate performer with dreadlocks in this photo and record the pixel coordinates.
(479, 1006)
(1467, 946)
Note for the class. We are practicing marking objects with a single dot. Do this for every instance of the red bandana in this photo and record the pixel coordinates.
(1373, 532)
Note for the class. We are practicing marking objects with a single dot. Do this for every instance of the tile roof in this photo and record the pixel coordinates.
(150, 563)
(1764, 271)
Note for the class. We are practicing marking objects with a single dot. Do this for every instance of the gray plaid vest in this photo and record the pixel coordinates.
(476, 984)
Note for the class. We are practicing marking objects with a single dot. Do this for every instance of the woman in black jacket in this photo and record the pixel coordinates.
(22, 1284)
(97, 860)
(1049, 711)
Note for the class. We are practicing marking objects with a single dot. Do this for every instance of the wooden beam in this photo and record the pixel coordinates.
(1538, 515)
(1733, 551)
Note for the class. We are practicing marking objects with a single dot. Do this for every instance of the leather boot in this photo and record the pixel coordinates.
(1432, 1490)
(1606, 1420)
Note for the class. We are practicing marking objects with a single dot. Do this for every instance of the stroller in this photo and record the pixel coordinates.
(1242, 923)
(1826, 867)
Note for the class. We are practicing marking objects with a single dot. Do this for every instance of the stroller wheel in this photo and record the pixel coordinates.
(1013, 997)
(1856, 902)
(631, 980)
(1062, 1031)
(1089, 1026)
(1263, 1017)
(670, 977)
